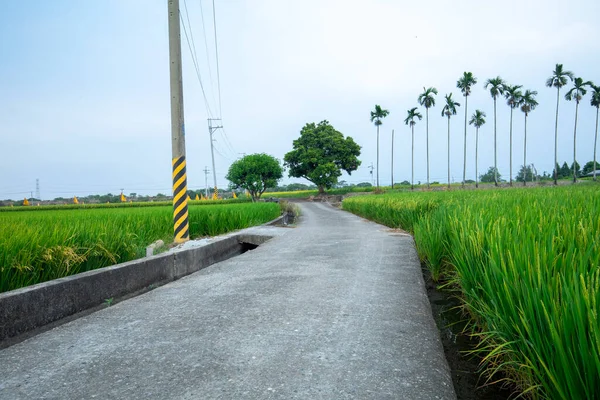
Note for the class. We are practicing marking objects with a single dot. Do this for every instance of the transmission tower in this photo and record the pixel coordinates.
(206, 172)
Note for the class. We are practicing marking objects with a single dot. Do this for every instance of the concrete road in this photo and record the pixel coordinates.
(332, 309)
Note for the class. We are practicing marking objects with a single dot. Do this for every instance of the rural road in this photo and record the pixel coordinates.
(332, 309)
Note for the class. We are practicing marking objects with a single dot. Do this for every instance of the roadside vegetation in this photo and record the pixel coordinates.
(525, 264)
(39, 246)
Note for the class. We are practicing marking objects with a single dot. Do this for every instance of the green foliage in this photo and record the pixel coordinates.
(427, 99)
(466, 82)
(378, 115)
(40, 246)
(450, 106)
(255, 173)
(496, 85)
(86, 206)
(589, 167)
(526, 263)
(320, 154)
(488, 177)
(477, 119)
(559, 77)
(524, 174)
(411, 115)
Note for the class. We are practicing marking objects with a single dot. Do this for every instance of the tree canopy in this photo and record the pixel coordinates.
(255, 173)
(320, 154)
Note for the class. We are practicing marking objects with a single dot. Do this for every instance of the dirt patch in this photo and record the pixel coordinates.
(464, 367)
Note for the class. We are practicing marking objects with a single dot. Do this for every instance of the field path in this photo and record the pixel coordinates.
(332, 309)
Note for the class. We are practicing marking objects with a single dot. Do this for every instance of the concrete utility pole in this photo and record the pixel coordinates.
(371, 172)
(206, 171)
(392, 159)
(212, 129)
(37, 189)
(180, 207)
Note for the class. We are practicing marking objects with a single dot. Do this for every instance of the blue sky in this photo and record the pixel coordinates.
(84, 85)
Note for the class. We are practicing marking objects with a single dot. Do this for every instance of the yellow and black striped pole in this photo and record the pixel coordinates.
(180, 197)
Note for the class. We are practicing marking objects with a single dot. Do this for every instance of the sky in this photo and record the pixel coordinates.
(85, 103)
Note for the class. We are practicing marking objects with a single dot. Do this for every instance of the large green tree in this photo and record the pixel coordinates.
(427, 100)
(320, 154)
(558, 80)
(477, 120)
(464, 84)
(513, 97)
(255, 173)
(376, 117)
(448, 111)
(595, 102)
(576, 93)
(492, 175)
(496, 86)
(410, 120)
(528, 103)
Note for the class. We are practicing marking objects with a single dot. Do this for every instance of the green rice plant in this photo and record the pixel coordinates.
(121, 205)
(40, 246)
(527, 263)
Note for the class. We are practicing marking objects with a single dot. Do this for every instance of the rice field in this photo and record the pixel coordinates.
(526, 263)
(37, 246)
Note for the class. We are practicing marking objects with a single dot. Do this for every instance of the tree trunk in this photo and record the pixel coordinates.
(412, 169)
(556, 136)
(525, 154)
(392, 159)
(321, 189)
(377, 157)
(448, 152)
(596, 142)
(495, 156)
(510, 149)
(476, 146)
(574, 143)
(465, 147)
(427, 139)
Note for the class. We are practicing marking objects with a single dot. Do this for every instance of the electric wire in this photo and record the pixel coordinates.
(217, 59)
(206, 103)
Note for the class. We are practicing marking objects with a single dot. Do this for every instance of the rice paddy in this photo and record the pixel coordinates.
(37, 246)
(526, 264)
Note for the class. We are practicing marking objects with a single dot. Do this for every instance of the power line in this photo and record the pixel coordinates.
(217, 56)
(195, 66)
(206, 46)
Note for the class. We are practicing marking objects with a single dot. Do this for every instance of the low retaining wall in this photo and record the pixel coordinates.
(24, 310)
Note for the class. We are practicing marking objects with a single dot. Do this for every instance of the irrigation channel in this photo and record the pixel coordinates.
(335, 307)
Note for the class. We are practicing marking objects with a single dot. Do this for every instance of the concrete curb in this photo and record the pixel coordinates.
(27, 309)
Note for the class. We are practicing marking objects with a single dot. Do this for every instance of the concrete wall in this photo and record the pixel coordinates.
(24, 310)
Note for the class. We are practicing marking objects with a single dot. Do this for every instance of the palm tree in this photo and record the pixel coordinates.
(595, 102)
(576, 93)
(497, 86)
(376, 117)
(513, 97)
(449, 110)
(477, 119)
(410, 120)
(464, 84)
(427, 100)
(528, 104)
(558, 80)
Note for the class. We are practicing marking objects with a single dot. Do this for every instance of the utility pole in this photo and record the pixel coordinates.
(37, 189)
(180, 207)
(392, 159)
(212, 129)
(206, 171)
(371, 172)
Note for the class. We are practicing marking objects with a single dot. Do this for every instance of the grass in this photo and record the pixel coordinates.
(120, 205)
(40, 246)
(527, 264)
(315, 192)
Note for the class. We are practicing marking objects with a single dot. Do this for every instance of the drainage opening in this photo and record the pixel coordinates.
(247, 246)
